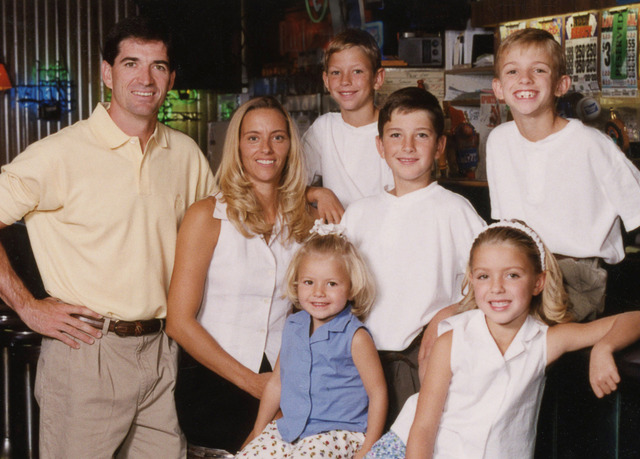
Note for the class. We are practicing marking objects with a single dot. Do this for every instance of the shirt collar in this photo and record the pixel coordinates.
(478, 331)
(412, 197)
(111, 135)
(337, 325)
(522, 341)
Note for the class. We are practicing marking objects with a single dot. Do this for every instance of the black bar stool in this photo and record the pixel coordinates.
(20, 349)
(201, 452)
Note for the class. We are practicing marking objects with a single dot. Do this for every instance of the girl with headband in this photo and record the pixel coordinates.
(485, 375)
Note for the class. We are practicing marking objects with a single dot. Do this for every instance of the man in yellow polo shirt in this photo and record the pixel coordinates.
(102, 201)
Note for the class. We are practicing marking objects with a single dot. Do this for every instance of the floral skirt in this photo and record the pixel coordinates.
(335, 444)
(388, 447)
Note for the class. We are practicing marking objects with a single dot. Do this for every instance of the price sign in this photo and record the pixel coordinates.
(619, 51)
(581, 51)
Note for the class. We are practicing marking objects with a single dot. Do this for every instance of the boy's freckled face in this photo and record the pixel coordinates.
(410, 145)
(527, 82)
(350, 79)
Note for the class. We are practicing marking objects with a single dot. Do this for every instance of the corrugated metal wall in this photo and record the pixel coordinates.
(49, 34)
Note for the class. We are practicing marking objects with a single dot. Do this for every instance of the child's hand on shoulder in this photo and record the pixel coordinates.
(603, 372)
(328, 205)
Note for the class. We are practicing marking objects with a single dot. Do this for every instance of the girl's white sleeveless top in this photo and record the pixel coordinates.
(243, 306)
(492, 407)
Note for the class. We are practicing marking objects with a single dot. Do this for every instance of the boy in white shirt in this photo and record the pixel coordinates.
(340, 147)
(415, 238)
(569, 182)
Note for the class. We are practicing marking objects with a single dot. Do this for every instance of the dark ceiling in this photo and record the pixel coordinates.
(208, 34)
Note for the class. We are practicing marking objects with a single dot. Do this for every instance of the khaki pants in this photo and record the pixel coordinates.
(585, 282)
(110, 399)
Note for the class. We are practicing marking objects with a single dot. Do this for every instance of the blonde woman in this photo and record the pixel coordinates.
(226, 305)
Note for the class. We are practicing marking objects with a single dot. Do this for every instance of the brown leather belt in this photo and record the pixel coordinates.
(124, 327)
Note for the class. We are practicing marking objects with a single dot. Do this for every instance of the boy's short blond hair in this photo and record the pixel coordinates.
(350, 38)
(534, 37)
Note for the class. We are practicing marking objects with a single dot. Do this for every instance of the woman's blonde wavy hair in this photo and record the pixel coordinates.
(549, 306)
(243, 209)
(362, 292)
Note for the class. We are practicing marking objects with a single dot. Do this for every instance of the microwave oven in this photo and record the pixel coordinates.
(421, 51)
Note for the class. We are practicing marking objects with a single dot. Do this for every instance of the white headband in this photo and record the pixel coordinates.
(526, 230)
(324, 229)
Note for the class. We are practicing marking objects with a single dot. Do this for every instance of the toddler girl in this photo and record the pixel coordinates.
(328, 380)
(485, 375)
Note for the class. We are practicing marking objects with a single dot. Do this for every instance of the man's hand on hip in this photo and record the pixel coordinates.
(52, 317)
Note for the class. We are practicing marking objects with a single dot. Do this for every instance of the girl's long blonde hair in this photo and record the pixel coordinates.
(550, 305)
(243, 209)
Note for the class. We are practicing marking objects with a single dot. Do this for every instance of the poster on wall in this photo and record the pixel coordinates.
(581, 51)
(401, 77)
(619, 50)
(508, 29)
(551, 25)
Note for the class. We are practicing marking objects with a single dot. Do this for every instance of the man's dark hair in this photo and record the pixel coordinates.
(408, 100)
(137, 27)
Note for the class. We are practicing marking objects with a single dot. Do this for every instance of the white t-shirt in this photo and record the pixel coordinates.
(346, 158)
(493, 401)
(417, 247)
(243, 306)
(572, 188)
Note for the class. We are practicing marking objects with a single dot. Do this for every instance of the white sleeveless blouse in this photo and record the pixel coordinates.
(492, 406)
(243, 306)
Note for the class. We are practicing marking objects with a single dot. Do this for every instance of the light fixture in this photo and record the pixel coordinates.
(5, 83)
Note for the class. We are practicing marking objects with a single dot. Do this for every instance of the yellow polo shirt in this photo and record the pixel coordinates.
(102, 217)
